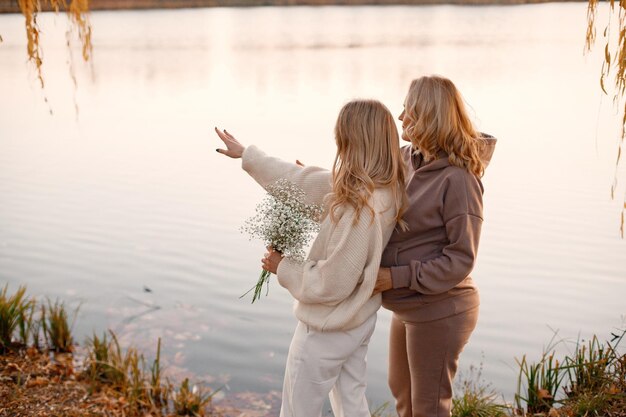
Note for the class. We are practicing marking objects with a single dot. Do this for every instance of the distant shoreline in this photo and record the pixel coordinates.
(11, 6)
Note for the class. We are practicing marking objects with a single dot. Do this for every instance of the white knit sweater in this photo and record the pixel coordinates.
(333, 286)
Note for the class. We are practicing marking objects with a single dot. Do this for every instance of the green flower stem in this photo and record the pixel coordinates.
(263, 278)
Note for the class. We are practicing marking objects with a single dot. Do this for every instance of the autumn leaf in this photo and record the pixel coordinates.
(553, 413)
(13, 367)
(544, 394)
(37, 382)
(613, 390)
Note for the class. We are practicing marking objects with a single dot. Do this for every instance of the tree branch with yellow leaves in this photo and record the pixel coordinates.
(77, 12)
(614, 65)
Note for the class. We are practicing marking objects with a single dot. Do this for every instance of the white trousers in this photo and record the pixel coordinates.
(323, 363)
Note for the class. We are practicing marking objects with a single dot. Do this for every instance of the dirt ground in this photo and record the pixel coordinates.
(36, 384)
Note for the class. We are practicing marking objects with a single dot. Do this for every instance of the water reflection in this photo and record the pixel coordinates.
(133, 194)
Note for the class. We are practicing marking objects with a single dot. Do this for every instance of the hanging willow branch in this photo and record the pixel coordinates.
(77, 13)
(617, 62)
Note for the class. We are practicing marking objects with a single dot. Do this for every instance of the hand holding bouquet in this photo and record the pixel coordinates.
(285, 223)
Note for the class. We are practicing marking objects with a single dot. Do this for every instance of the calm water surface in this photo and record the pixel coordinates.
(131, 194)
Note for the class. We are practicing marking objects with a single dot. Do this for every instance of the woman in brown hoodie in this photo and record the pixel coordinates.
(425, 270)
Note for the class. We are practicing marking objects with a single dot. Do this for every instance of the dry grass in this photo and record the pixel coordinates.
(113, 381)
(590, 382)
(116, 382)
(13, 312)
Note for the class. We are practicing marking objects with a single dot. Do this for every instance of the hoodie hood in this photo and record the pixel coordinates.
(486, 149)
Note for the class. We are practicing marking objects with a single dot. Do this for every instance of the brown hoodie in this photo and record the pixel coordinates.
(431, 262)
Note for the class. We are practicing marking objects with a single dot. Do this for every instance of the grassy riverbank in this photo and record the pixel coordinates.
(11, 6)
(44, 372)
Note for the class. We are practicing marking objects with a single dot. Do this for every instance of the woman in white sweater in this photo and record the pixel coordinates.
(363, 199)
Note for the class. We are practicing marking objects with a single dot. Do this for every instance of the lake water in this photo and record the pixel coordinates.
(130, 193)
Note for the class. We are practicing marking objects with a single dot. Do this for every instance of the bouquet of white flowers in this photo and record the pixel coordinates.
(284, 222)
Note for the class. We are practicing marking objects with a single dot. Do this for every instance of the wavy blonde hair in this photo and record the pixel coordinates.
(437, 120)
(368, 157)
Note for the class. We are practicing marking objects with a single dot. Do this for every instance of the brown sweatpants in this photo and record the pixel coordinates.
(423, 360)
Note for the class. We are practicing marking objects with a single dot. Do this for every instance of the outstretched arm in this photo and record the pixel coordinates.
(314, 181)
(234, 149)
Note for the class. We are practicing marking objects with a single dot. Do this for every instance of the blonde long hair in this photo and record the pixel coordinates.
(438, 121)
(368, 156)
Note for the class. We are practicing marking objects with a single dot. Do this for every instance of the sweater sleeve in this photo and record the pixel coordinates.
(462, 215)
(314, 181)
(329, 281)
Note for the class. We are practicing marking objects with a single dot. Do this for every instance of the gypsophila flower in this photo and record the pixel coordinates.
(283, 221)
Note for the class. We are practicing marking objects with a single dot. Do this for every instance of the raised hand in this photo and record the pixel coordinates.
(234, 149)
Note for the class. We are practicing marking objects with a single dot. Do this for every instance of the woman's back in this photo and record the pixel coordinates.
(339, 296)
(333, 286)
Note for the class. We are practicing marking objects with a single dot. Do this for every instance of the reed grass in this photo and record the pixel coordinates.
(588, 367)
(141, 389)
(26, 325)
(478, 401)
(57, 329)
(108, 364)
(104, 362)
(590, 404)
(476, 398)
(589, 382)
(12, 312)
(123, 371)
(538, 383)
(191, 401)
(136, 392)
(158, 392)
